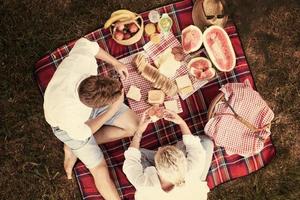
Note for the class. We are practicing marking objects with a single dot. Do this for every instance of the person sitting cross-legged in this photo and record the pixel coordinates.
(85, 109)
(173, 172)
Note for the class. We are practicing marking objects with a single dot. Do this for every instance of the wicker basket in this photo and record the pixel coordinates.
(211, 108)
(136, 37)
(220, 98)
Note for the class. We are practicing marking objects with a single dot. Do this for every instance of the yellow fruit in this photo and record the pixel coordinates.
(155, 38)
(150, 29)
(119, 17)
(122, 11)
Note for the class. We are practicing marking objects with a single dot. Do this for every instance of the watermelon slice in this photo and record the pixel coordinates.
(201, 68)
(219, 48)
(191, 39)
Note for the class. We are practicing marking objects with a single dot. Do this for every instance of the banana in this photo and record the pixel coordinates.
(119, 17)
(122, 11)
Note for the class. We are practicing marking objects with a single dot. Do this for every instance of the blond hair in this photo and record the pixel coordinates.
(171, 164)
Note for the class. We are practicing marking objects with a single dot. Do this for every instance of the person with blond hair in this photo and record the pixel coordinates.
(85, 109)
(173, 171)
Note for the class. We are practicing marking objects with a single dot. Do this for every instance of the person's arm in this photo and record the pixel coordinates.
(144, 121)
(88, 48)
(136, 140)
(175, 118)
(119, 67)
(132, 166)
(84, 47)
(96, 123)
(103, 55)
(195, 151)
(196, 155)
(185, 130)
(134, 170)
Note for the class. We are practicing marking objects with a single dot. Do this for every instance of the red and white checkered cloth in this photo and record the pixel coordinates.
(230, 133)
(137, 80)
(154, 50)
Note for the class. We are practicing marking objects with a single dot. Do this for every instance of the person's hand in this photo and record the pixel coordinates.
(144, 121)
(173, 117)
(122, 70)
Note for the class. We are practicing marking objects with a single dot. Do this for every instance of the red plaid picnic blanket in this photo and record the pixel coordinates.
(223, 168)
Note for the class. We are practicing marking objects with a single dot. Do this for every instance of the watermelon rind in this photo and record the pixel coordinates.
(210, 53)
(199, 44)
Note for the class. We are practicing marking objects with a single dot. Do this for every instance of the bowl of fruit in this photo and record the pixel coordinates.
(126, 27)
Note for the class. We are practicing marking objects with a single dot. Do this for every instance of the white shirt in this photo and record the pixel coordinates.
(147, 182)
(62, 105)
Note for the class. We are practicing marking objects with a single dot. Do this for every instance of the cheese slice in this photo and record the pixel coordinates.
(134, 93)
(172, 105)
(184, 84)
(156, 97)
(186, 90)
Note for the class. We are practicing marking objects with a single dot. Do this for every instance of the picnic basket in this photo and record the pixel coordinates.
(136, 37)
(239, 119)
(221, 98)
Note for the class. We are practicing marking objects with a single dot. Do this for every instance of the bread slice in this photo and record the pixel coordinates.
(172, 105)
(184, 84)
(156, 97)
(134, 93)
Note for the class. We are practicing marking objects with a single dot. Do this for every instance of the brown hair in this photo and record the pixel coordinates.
(99, 91)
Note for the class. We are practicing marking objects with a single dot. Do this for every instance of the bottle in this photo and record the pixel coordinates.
(165, 24)
(154, 16)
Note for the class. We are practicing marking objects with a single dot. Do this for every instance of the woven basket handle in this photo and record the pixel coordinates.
(242, 120)
(246, 123)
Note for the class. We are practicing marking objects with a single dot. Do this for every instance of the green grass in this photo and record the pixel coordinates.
(31, 157)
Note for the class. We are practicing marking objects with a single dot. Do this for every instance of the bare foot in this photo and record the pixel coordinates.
(69, 162)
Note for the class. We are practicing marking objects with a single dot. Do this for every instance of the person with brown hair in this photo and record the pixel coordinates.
(171, 172)
(85, 109)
